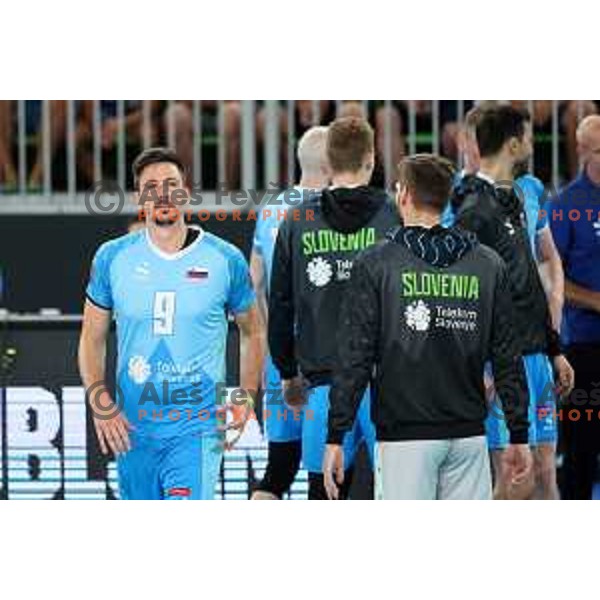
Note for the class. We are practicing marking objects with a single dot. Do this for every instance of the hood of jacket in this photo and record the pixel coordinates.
(349, 209)
(438, 246)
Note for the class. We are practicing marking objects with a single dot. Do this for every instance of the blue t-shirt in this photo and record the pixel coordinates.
(574, 217)
(265, 235)
(532, 190)
(267, 226)
(171, 315)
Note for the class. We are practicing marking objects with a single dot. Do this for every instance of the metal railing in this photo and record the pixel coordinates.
(240, 144)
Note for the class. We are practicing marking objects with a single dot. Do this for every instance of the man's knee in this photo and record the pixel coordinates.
(264, 495)
(179, 116)
(232, 118)
(385, 115)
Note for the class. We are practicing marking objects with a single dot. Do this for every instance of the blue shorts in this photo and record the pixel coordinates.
(542, 407)
(314, 430)
(182, 468)
(282, 424)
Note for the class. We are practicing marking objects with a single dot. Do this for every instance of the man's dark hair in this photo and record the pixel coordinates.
(495, 126)
(429, 180)
(152, 156)
(349, 140)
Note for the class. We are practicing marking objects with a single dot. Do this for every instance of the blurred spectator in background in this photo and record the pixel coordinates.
(180, 116)
(138, 132)
(306, 114)
(570, 113)
(8, 173)
(436, 124)
(575, 111)
(34, 139)
(447, 121)
(574, 219)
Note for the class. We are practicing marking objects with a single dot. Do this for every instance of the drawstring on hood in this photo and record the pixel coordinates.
(438, 246)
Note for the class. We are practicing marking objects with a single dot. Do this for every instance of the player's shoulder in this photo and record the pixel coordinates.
(228, 251)
(488, 256)
(529, 183)
(473, 194)
(379, 252)
(110, 249)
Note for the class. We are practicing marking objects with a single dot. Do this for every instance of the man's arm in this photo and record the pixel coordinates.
(552, 275)
(358, 341)
(581, 296)
(252, 353)
(252, 348)
(241, 302)
(281, 306)
(110, 424)
(507, 363)
(511, 384)
(92, 344)
(257, 272)
(478, 219)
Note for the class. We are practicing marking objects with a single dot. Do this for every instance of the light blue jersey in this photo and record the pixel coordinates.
(280, 422)
(265, 233)
(171, 315)
(532, 190)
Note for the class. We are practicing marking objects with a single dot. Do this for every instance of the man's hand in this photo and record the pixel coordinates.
(565, 375)
(490, 388)
(333, 470)
(112, 431)
(241, 410)
(518, 464)
(294, 392)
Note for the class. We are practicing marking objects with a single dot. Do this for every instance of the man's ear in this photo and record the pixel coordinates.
(400, 196)
(514, 145)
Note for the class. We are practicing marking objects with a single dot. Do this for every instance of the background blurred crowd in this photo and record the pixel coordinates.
(102, 137)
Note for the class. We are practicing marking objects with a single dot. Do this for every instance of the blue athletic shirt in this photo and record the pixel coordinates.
(171, 316)
(532, 190)
(267, 226)
(575, 222)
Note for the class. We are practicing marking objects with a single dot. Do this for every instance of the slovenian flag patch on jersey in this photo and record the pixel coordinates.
(197, 273)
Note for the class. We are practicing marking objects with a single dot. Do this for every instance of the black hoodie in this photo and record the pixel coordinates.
(426, 309)
(497, 215)
(315, 249)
